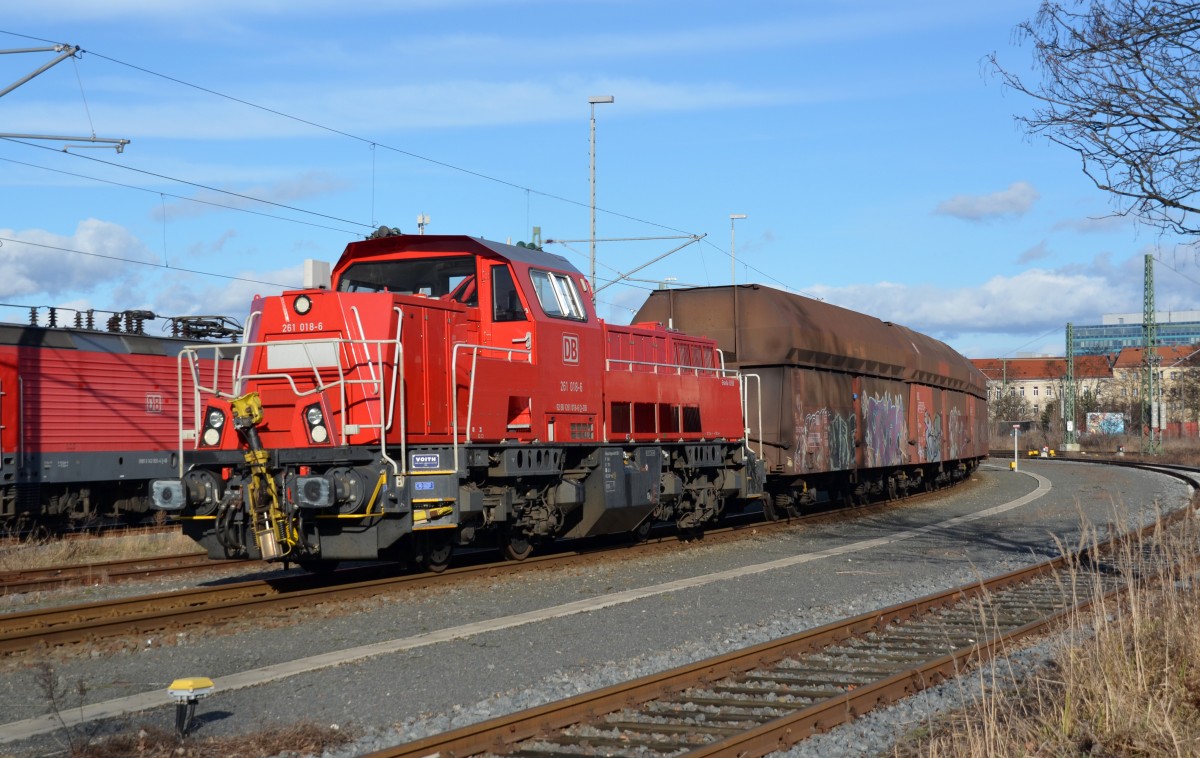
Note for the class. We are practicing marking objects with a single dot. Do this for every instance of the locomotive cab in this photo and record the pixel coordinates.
(446, 391)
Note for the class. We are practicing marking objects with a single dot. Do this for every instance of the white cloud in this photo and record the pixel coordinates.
(1014, 201)
(1027, 304)
(201, 295)
(45, 269)
(40, 263)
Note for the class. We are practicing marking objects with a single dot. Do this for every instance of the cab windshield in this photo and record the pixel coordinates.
(450, 278)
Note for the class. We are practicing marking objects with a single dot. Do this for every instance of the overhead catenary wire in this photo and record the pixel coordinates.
(151, 264)
(197, 185)
(350, 135)
(373, 144)
(176, 197)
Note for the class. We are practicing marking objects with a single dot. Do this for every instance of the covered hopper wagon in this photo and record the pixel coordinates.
(852, 407)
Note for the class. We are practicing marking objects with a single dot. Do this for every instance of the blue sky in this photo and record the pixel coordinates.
(873, 152)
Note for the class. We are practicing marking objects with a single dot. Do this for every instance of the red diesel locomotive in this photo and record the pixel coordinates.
(446, 391)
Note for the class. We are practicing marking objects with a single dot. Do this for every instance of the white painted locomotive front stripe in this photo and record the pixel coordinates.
(19, 730)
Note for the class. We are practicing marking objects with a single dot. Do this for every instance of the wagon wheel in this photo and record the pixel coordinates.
(893, 491)
(781, 506)
(517, 547)
(694, 533)
(642, 532)
(436, 550)
(770, 512)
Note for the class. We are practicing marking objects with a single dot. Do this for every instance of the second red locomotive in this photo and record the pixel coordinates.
(88, 415)
(445, 391)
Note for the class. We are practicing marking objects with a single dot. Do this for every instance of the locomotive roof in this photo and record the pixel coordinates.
(778, 328)
(450, 243)
(67, 338)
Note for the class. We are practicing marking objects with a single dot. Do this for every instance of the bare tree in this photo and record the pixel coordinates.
(1120, 86)
(1010, 407)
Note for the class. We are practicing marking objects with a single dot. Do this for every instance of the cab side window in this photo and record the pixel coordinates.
(506, 303)
(557, 295)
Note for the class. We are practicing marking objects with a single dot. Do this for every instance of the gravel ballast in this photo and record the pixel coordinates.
(439, 686)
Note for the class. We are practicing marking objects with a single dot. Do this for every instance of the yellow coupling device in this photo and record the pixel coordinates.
(274, 533)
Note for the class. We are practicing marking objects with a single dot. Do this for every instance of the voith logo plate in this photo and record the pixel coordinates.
(426, 461)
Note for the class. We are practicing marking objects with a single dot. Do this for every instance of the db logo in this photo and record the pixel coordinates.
(154, 402)
(570, 349)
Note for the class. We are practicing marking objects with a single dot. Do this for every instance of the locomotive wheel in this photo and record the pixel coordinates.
(436, 550)
(517, 547)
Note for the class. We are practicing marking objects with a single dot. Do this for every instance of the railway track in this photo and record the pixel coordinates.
(149, 614)
(106, 572)
(768, 697)
(152, 614)
(93, 531)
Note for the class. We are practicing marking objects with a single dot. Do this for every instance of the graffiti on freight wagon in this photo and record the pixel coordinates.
(956, 434)
(825, 441)
(885, 430)
(929, 439)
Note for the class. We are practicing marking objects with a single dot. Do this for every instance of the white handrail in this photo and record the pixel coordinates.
(240, 361)
(679, 367)
(387, 409)
(190, 357)
(361, 335)
(509, 351)
(745, 389)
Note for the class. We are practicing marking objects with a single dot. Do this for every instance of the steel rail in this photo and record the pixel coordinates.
(90, 622)
(148, 614)
(680, 711)
(107, 572)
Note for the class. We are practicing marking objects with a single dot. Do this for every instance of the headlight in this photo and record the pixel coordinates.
(316, 424)
(216, 419)
(302, 304)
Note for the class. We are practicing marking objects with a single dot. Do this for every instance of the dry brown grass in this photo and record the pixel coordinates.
(1125, 683)
(151, 742)
(44, 553)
